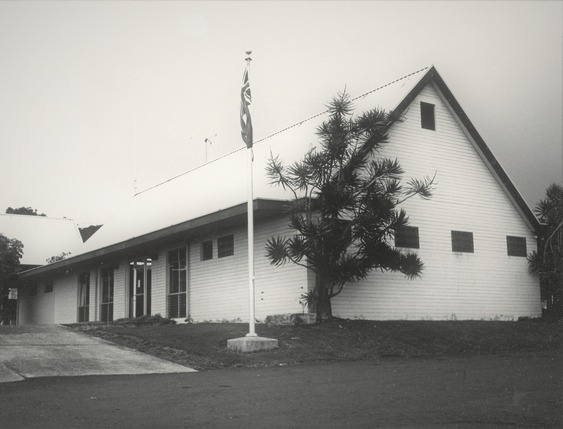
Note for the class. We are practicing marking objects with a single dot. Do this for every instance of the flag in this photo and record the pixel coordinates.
(245, 119)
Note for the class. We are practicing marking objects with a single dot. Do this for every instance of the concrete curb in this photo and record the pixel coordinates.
(7, 375)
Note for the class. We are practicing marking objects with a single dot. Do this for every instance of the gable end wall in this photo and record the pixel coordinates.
(486, 284)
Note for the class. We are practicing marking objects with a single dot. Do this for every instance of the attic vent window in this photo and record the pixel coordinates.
(407, 236)
(516, 246)
(427, 119)
(462, 241)
(207, 250)
(225, 246)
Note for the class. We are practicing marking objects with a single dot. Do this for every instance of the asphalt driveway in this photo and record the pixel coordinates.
(50, 350)
(481, 392)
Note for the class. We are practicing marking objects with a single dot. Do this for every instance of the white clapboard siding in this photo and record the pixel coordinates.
(36, 309)
(278, 289)
(486, 284)
(66, 293)
(158, 284)
(120, 278)
(218, 288)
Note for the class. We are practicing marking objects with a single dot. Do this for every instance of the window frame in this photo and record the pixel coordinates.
(106, 305)
(407, 237)
(177, 296)
(84, 297)
(226, 246)
(516, 246)
(206, 250)
(427, 116)
(461, 242)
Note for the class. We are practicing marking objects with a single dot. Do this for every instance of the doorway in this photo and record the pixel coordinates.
(140, 275)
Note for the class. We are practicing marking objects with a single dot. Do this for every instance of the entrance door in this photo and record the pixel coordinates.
(140, 287)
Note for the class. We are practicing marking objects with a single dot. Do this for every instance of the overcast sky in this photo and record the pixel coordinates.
(96, 95)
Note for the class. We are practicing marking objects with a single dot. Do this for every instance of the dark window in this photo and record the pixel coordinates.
(462, 241)
(516, 246)
(206, 250)
(407, 236)
(33, 290)
(177, 277)
(225, 246)
(49, 286)
(427, 119)
(83, 297)
(106, 305)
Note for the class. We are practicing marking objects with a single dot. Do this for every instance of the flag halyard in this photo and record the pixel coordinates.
(245, 118)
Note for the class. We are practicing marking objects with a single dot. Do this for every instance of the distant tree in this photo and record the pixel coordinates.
(59, 257)
(547, 262)
(87, 232)
(11, 251)
(24, 211)
(344, 206)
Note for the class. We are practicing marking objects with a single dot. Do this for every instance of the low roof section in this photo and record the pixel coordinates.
(42, 236)
(148, 244)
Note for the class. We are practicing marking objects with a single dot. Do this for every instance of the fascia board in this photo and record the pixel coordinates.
(236, 214)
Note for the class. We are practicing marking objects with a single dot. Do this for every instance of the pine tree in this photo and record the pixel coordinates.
(344, 206)
(548, 260)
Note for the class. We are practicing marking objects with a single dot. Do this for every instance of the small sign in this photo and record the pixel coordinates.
(12, 293)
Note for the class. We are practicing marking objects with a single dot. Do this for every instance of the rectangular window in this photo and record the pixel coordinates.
(207, 250)
(516, 246)
(33, 290)
(427, 119)
(177, 278)
(462, 241)
(49, 286)
(83, 297)
(407, 236)
(106, 304)
(225, 246)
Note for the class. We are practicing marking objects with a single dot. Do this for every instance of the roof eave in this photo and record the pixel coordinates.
(233, 215)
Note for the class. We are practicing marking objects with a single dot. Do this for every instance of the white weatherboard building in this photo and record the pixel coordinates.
(180, 248)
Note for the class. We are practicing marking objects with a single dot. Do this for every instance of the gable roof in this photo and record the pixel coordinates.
(217, 189)
(222, 183)
(433, 77)
(42, 236)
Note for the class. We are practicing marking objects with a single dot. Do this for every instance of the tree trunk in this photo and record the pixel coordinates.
(324, 310)
(323, 304)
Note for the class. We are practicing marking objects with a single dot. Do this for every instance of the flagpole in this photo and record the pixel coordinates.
(251, 342)
(250, 209)
(250, 216)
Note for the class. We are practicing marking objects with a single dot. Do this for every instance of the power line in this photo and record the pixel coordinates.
(278, 132)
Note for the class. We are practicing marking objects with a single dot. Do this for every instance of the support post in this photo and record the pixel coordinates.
(250, 209)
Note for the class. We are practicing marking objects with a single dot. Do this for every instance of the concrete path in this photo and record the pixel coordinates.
(51, 350)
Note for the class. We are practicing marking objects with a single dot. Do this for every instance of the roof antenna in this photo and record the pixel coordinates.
(208, 140)
(135, 102)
